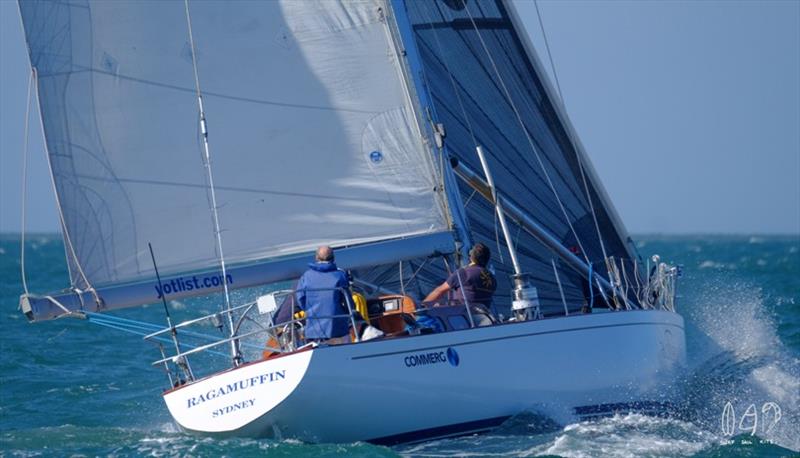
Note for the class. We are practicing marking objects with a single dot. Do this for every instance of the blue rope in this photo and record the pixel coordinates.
(142, 325)
(144, 330)
(591, 289)
(130, 328)
(123, 329)
(138, 328)
(122, 320)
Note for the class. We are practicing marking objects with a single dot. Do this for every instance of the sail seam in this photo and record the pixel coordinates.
(80, 69)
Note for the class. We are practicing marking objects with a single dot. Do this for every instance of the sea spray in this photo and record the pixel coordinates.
(744, 379)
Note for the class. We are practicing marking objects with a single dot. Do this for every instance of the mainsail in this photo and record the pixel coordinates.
(313, 135)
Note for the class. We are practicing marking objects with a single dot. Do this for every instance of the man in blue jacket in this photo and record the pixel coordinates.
(319, 294)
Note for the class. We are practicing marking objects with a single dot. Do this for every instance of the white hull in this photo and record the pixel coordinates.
(413, 388)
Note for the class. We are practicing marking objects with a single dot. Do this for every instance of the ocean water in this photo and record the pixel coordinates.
(70, 388)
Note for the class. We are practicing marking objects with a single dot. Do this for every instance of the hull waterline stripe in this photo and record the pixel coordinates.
(457, 429)
(474, 342)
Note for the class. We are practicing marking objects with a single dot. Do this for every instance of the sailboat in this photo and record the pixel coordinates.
(198, 148)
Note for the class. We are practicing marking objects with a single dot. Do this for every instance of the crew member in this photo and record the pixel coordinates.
(474, 285)
(320, 295)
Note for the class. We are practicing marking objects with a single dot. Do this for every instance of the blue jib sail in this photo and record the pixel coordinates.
(487, 89)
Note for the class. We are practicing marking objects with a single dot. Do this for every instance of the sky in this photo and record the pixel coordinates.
(689, 111)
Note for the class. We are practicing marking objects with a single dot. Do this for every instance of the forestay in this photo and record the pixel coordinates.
(487, 89)
(312, 132)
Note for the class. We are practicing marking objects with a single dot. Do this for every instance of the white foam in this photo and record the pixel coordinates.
(631, 435)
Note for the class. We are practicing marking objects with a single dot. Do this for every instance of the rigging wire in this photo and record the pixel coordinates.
(577, 153)
(210, 177)
(549, 55)
(513, 105)
(560, 288)
(25, 184)
(402, 283)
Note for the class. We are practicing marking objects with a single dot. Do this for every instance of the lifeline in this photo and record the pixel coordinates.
(233, 387)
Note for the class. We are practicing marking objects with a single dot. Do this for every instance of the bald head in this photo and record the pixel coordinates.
(324, 254)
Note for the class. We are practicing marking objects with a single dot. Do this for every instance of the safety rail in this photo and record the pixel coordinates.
(277, 331)
(286, 336)
(656, 290)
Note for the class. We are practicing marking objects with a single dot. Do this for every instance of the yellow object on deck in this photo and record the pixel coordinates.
(361, 305)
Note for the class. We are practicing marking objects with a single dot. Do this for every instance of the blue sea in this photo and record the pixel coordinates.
(71, 388)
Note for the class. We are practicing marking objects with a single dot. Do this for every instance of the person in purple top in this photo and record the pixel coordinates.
(474, 285)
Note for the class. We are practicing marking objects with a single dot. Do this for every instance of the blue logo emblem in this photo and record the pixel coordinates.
(376, 157)
(452, 357)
